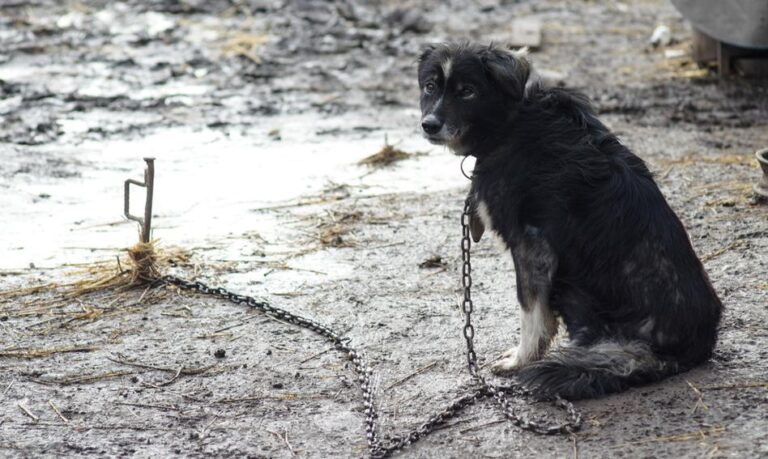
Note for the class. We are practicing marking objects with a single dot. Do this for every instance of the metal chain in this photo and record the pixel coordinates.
(482, 388)
(572, 424)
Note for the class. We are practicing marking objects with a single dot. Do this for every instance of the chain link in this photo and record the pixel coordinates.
(481, 388)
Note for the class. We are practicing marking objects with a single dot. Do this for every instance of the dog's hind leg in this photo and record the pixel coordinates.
(535, 264)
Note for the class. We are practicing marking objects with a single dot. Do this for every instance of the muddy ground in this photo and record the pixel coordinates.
(258, 112)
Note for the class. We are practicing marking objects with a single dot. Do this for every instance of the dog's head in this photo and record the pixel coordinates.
(468, 92)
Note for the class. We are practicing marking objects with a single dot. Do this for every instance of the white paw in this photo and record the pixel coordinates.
(511, 352)
(509, 361)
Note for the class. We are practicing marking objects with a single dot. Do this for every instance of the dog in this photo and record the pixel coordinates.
(593, 241)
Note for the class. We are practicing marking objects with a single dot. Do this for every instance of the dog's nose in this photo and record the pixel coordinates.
(431, 124)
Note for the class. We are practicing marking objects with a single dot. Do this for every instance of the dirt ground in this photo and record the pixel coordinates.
(261, 96)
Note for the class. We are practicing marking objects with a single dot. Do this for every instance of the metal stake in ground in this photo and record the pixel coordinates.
(149, 184)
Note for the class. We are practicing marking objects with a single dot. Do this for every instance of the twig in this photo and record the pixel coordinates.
(101, 427)
(720, 251)
(700, 400)
(145, 405)
(695, 435)
(229, 327)
(182, 371)
(417, 372)
(242, 399)
(187, 396)
(492, 423)
(315, 356)
(713, 452)
(288, 294)
(141, 298)
(9, 387)
(384, 246)
(320, 200)
(166, 383)
(441, 270)
(285, 440)
(58, 413)
(575, 446)
(82, 379)
(206, 428)
(736, 386)
(43, 352)
(26, 411)
(454, 424)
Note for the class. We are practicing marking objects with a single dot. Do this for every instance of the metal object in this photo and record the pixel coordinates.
(761, 188)
(742, 23)
(574, 417)
(481, 388)
(729, 58)
(149, 184)
(732, 33)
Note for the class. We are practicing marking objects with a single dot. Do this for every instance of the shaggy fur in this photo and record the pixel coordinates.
(593, 241)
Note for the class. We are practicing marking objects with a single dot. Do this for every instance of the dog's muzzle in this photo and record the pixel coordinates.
(438, 132)
(431, 125)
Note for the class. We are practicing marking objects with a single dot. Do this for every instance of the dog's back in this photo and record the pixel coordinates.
(634, 297)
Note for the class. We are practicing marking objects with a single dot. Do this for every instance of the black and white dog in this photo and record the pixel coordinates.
(592, 239)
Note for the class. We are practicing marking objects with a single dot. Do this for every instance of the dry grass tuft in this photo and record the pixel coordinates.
(144, 263)
(729, 159)
(679, 63)
(143, 258)
(333, 233)
(141, 264)
(387, 156)
(244, 44)
(30, 353)
(99, 290)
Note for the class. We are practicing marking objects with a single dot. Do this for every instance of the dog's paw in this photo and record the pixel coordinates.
(509, 362)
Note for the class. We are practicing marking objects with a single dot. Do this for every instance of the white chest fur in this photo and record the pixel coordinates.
(485, 217)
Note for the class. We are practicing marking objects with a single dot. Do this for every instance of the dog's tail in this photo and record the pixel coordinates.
(592, 371)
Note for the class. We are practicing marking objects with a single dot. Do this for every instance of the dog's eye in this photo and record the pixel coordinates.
(466, 92)
(429, 88)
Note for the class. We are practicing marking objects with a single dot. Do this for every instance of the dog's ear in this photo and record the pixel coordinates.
(426, 51)
(509, 69)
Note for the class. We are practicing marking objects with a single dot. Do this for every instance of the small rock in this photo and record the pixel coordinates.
(661, 36)
(674, 53)
(435, 261)
(70, 20)
(409, 20)
(277, 385)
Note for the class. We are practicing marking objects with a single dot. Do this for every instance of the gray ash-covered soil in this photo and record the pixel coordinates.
(162, 373)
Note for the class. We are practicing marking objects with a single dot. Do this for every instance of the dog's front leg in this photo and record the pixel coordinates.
(535, 264)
